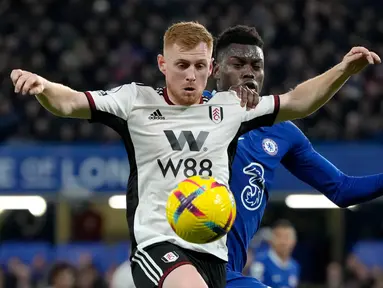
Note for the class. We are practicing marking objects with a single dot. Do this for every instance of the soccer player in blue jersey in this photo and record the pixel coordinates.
(240, 61)
(275, 267)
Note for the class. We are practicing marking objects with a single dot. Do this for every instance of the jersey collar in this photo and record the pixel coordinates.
(277, 260)
(167, 99)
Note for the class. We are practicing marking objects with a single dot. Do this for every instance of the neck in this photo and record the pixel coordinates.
(284, 257)
(280, 260)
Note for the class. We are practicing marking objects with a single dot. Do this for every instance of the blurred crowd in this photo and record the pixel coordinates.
(353, 274)
(97, 44)
(41, 274)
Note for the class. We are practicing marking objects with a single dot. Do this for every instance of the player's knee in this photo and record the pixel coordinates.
(185, 276)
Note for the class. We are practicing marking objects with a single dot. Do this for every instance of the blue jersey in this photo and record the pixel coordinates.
(259, 153)
(270, 269)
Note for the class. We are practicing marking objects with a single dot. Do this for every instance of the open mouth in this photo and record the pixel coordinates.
(189, 89)
(251, 85)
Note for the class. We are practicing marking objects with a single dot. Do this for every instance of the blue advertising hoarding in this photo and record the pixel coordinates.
(41, 169)
(46, 169)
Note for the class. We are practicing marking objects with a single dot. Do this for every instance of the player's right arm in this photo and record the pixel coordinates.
(58, 99)
(63, 101)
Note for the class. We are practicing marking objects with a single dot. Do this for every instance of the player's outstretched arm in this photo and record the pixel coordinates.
(58, 99)
(309, 96)
(312, 168)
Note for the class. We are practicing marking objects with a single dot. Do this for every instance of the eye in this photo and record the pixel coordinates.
(182, 65)
(200, 66)
(237, 65)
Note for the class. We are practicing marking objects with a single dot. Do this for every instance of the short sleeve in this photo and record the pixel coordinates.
(117, 101)
(263, 115)
(267, 106)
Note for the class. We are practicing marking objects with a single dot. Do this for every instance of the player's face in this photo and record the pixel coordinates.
(240, 64)
(283, 241)
(186, 72)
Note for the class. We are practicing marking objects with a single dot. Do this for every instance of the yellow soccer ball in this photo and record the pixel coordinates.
(201, 210)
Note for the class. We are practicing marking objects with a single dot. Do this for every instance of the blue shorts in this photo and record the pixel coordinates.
(236, 279)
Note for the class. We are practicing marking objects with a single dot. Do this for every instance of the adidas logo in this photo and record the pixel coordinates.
(156, 115)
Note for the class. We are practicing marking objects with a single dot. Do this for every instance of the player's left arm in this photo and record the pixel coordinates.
(312, 94)
(306, 98)
(312, 168)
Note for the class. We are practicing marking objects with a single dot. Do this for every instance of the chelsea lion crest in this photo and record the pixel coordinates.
(270, 147)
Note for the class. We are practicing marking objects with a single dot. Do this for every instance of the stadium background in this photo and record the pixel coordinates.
(77, 167)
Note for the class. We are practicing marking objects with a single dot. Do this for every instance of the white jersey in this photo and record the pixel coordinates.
(167, 143)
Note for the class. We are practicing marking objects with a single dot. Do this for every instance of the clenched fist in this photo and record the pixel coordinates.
(27, 83)
(359, 58)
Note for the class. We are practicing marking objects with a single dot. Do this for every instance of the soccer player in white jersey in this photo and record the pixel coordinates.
(166, 143)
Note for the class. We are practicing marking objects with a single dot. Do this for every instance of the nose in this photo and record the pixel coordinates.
(248, 72)
(190, 74)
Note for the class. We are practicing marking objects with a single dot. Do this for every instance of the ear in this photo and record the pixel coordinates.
(216, 70)
(211, 67)
(161, 63)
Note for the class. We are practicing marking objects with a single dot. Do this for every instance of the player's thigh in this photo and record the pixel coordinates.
(185, 276)
(151, 267)
(211, 268)
(245, 282)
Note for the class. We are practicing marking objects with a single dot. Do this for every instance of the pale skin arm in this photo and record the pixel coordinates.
(58, 99)
(312, 94)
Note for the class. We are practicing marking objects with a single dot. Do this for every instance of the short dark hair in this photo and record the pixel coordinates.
(58, 268)
(282, 223)
(239, 34)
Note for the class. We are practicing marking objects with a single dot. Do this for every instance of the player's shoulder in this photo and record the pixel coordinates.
(147, 94)
(286, 126)
(287, 130)
(295, 264)
(221, 97)
(147, 89)
(262, 257)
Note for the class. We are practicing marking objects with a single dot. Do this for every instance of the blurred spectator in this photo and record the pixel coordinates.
(99, 44)
(62, 275)
(122, 277)
(86, 224)
(334, 275)
(39, 267)
(89, 277)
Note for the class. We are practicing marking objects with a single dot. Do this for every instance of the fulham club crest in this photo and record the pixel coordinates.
(216, 114)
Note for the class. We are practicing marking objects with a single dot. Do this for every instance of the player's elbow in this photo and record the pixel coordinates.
(75, 106)
(292, 107)
(339, 199)
(341, 204)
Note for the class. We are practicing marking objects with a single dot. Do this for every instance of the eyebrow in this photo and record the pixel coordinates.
(188, 61)
(258, 59)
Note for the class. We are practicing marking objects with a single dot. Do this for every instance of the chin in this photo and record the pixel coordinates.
(190, 98)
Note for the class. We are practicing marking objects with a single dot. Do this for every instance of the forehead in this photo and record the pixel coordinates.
(283, 229)
(176, 51)
(244, 51)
